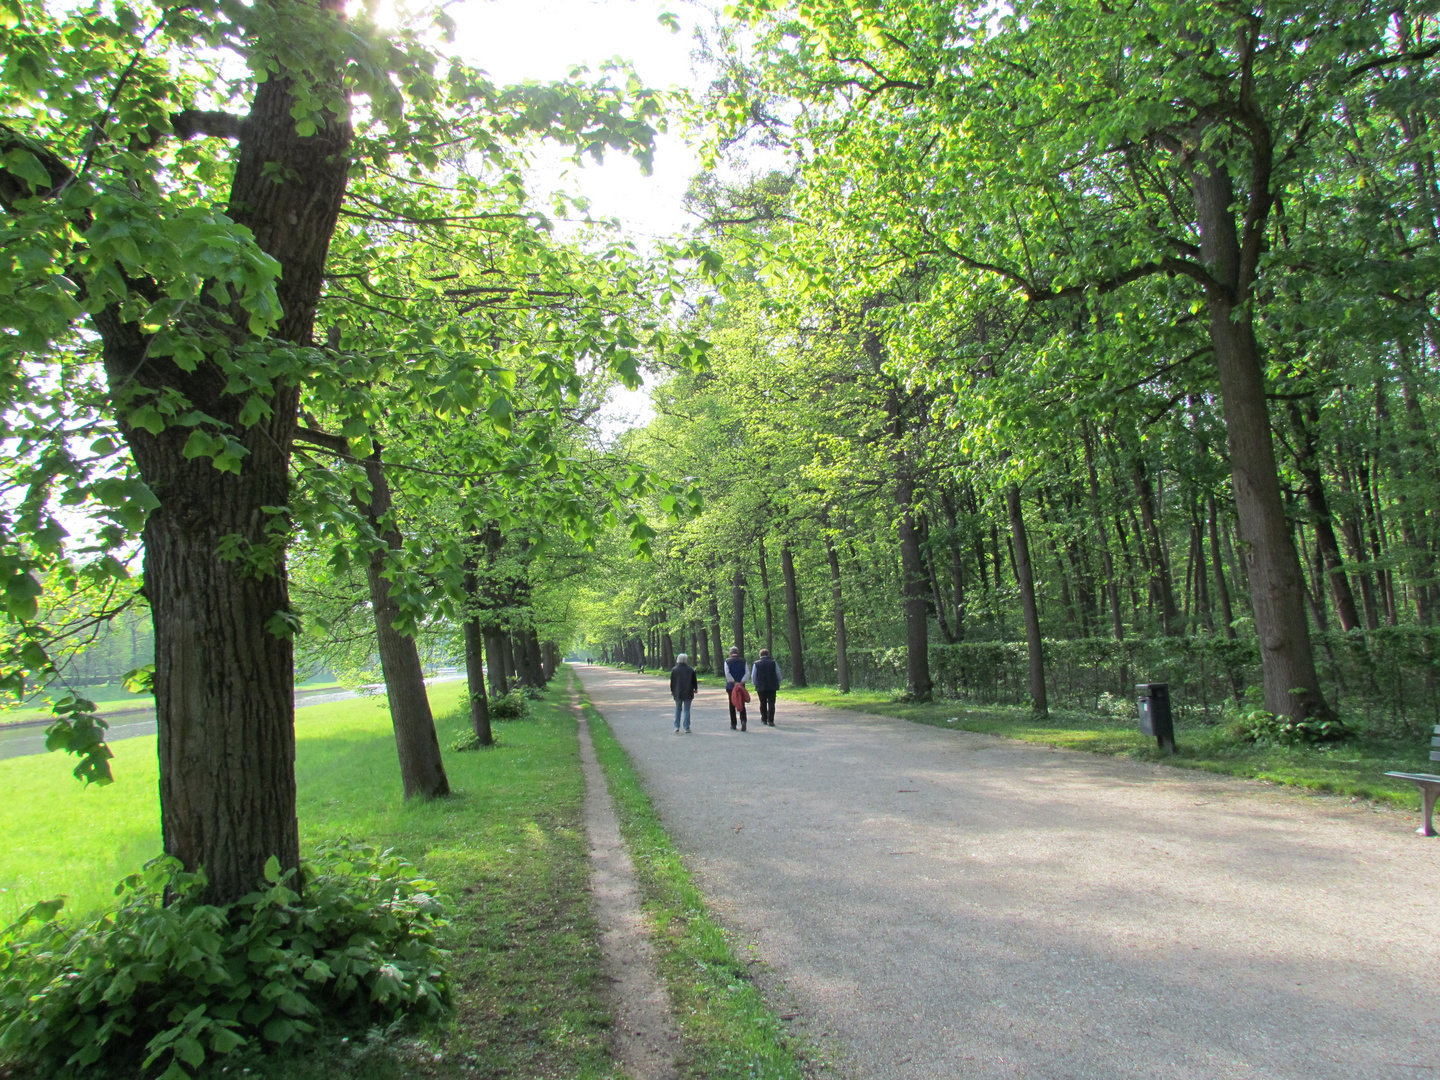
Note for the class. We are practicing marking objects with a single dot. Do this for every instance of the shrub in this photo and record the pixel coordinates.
(162, 986)
(1257, 725)
(513, 706)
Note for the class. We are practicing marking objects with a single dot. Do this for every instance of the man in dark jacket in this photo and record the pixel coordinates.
(767, 685)
(683, 685)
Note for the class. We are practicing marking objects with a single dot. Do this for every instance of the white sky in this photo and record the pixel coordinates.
(516, 40)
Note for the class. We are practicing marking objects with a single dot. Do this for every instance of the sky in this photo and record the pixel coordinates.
(515, 40)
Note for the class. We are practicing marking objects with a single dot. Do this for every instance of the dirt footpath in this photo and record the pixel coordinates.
(953, 905)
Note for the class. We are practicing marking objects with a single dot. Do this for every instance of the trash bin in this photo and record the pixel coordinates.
(1155, 717)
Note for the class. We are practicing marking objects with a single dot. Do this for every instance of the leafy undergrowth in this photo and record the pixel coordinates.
(507, 851)
(730, 1031)
(1355, 768)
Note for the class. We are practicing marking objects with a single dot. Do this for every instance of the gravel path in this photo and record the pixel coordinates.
(954, 905)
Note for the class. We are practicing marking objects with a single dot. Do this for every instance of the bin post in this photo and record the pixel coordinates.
(1155, 719)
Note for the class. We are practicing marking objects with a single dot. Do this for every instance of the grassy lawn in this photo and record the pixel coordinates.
(730, 1031)
(1356, 768)
(508, 851)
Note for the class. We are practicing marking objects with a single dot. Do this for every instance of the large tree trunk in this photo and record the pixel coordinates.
(842, 659)
(224, 667)
(914, 585)
(224, 682)
(1026, 578)
(422, 771)
(792, 618)
(1292, 687)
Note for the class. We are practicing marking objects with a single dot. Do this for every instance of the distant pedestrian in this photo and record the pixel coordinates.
(767, 684)
(736, 674)
(683, 685)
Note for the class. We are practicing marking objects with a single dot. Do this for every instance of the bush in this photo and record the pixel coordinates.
(162, 986)
(513, 706)
(1257, 725)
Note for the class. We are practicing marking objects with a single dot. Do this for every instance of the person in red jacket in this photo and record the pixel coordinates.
(736, 675)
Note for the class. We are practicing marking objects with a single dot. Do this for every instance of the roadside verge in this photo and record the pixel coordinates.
(731, 1033)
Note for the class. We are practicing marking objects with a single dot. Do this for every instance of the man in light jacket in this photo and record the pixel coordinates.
(767, 684)
(683, 685)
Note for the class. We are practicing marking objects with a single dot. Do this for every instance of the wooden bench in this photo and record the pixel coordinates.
(1429, 786)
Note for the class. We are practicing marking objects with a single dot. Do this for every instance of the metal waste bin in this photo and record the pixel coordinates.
(1155, 719)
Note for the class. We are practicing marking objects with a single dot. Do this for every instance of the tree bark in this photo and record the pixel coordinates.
(1308, 462)
(957, 569)
(842, 659)
(1292, 686)
(769, 613)
(737, 611)
(507, 659)
(717, 650)
(1026, 578)
(224, 665)
(475, 681)
(792, 618)
(493, 653)
(1107, 558)
(422, 771)
(1171, 623)
(913, 587)
(1222, 591)
(526, 650)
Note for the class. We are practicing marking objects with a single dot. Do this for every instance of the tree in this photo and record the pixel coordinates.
(203, 324)
(1076, 152)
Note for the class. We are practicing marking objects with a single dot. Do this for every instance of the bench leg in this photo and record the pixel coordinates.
(1427, 798)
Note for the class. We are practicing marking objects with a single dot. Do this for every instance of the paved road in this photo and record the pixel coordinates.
(24, 739)
(953, 905)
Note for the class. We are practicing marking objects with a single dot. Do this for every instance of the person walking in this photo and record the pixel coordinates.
(766, 675)
(683, 685)
(736, 674)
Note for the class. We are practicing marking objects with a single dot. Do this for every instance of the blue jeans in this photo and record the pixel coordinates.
(682, 708)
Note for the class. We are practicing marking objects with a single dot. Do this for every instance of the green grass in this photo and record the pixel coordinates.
(1355, 768)
(730, 1031)
(508, 851)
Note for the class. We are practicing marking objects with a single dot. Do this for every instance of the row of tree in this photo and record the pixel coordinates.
(1068, 320)
(274, 292)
